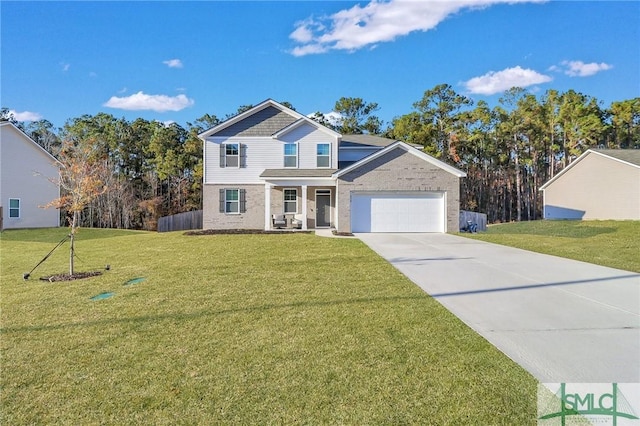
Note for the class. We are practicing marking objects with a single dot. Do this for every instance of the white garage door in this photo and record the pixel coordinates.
(398, 212)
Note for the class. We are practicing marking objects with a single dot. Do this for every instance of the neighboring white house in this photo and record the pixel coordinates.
(271, 167)
(600, 184)
(26, 174)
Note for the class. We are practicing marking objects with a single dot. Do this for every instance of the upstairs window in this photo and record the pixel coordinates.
(232, 155)
(291, 200)
(14, 208)
(290, 155)
(323, 155)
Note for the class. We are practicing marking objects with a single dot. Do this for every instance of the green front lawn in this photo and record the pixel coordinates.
(238, 329)
(609, 243)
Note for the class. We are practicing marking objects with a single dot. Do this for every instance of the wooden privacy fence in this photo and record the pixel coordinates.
(479, 219)
(181, 221)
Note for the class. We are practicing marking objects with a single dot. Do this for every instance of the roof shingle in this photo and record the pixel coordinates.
(366, 140)
(629, 155)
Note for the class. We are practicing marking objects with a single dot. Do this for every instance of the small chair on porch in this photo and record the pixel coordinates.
(296, 222)
(279, 221)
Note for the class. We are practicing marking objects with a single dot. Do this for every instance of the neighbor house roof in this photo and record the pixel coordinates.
(297, 173)
(630, 157)
(410, 150)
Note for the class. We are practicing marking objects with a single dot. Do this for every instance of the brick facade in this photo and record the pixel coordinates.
(398, 171)
(253, 218)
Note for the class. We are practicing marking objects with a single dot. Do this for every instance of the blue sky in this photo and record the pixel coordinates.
(175, 61)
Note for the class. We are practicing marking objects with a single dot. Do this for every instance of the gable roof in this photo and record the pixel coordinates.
(303, 121)
(408, 148)
(267, 119)
(630, 157)
(10, 125)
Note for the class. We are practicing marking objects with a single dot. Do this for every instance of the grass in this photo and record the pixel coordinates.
(609, 243)
(238, 329)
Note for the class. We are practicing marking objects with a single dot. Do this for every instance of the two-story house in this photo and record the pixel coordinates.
(272, 161)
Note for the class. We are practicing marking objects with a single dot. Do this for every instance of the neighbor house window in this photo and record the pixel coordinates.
(232, 200)
(323, 156)
(291, 200)
(14, 207)
(290, 155)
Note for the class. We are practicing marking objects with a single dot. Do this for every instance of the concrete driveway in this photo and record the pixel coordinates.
(562, 320)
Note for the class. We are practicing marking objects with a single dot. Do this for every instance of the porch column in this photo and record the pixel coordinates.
(336, 220)
(267, 207)
(304, 207)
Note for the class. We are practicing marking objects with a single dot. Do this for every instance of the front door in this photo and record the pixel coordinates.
(323, 208)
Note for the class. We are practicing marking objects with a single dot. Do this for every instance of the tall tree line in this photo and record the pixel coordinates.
(151, 169)
(510, 150)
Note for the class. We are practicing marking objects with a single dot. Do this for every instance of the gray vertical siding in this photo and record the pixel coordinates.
(181, 221)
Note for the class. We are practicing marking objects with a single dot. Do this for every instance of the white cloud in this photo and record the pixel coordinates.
(165, 123)
(309, 49)
(25, 115)
(303, 34)
(173, 63)
(495, 82)
(580, 69)
(378, 21)
(333, 118)
(142, 101)
(65, 67)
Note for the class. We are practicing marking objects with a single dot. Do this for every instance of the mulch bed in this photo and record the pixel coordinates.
(342, 234)
(67, 277)
(244, 231)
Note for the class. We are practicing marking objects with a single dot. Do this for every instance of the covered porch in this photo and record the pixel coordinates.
(299, 199)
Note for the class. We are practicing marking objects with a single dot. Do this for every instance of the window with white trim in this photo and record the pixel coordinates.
(233, 200)
(290, 155)
(230, 155)
(290, 200)
(14, 208)
(323, 155)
